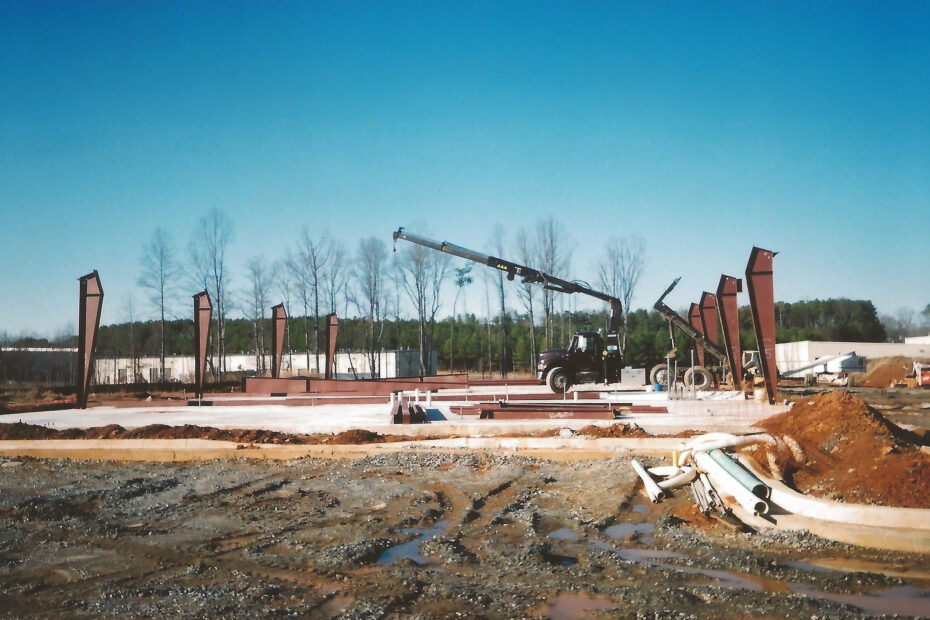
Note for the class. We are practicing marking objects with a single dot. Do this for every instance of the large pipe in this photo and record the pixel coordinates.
(731, 485)
(652, 489)
(755, 486)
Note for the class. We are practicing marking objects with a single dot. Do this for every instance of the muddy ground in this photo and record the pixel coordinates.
(418, 534)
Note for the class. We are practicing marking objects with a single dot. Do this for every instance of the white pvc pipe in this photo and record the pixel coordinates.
(652, 489)
(685, 476)
(730, 485)
(716, 441)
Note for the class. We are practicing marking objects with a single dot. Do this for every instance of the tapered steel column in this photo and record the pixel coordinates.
(331, 333)
(90, 305)
(694, 317)
(278, 329)
(729, 318)
(709, 321)
(709, 316)
(760, 280)
(203, 312)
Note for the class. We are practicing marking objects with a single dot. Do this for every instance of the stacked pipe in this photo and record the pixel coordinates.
(712, 475)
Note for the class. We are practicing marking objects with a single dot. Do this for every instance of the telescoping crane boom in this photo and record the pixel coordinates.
(590, 357)
(528, 274)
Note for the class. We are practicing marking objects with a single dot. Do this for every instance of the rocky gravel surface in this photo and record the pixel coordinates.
(408, 535)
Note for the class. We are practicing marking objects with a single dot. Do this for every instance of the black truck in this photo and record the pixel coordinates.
(590, 358)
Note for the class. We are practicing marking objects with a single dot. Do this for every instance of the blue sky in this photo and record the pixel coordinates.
(704, 128)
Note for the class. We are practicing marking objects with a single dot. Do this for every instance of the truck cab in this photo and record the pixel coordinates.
(589, 358)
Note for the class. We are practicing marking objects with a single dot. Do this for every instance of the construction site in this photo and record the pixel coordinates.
(718, 485)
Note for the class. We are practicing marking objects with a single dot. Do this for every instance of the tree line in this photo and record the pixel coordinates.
(373, 288)
(469, 343)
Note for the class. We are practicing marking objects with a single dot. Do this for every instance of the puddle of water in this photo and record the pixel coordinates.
(847, 565)
(563, 534)
(336, 604)
(899, 600)
(411, 550)
(568, 606)
(641, 508)
(902, 600)
(625, 530)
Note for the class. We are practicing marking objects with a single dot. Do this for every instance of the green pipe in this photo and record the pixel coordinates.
(739, 473)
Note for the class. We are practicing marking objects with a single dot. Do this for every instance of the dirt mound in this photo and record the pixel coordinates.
(613, 431)
(189, 431)
(884, 371)
(837, 446)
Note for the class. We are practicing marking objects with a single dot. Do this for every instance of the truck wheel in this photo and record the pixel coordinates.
(559, 380)
(697, 376)
(659, 375)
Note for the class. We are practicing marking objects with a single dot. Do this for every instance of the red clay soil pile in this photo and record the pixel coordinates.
(613, 431)
(838, 447)
(189, 431)
(884, 371)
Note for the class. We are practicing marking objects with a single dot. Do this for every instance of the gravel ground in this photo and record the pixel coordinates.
(422, 535)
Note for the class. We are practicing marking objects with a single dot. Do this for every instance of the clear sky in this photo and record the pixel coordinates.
(705, 128)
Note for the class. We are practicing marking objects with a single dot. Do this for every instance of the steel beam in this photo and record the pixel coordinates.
(90, 305)
(331, 333)
(760, 281)
(203, 312)
(694, 317)
(709, 316)
(709, 322)
(729, 318)
(278, 329)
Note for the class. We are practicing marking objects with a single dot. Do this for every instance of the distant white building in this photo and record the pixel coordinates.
(792, 355)
(57, 367)
(349, 365)
(917, 340)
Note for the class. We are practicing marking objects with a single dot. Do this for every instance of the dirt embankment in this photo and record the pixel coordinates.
(886, 371)
(837, 446)
(188, 431)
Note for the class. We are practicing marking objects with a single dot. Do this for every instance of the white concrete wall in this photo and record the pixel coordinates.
(392, 364)
(917, 340)
(791, 355)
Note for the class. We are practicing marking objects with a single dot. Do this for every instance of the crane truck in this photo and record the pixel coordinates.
(590, 358)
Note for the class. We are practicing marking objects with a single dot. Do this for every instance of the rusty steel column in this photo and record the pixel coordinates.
(694, 317)
(331, 332)
(709, 316)
(709, 321)
(203, 312)
(760, 281)
(278, 329)
(90, 305)
(729, 317)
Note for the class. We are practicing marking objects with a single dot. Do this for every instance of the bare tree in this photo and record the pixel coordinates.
(335, 274)
(619, 273)
(527, 292)
(497, 235)
(159, 269)
(130, 307)
(370, 260)
(421, 272)
(208, 256)
(312, 255)
(462, 279)
(553, 256)
(254, 304)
